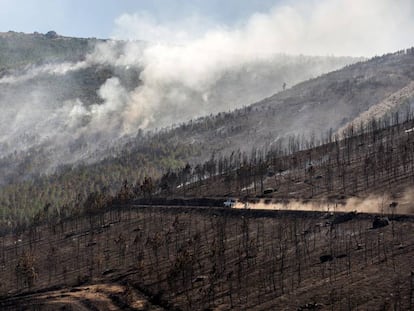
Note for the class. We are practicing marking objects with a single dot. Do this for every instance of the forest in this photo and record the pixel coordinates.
(323, 216)
(157, 244)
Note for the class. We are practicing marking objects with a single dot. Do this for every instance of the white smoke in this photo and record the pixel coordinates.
(144, 26)
(185, 74)
(47, 69)
(192, 68)
(310, 27)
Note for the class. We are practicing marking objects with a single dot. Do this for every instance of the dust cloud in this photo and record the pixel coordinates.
(371, 204)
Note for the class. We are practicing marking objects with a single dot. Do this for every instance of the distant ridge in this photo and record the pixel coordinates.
(19, 49)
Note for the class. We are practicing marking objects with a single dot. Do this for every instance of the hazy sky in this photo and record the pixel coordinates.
(95, 18)
(322, 27)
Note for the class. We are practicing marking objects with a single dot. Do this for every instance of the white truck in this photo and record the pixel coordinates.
(229, 203)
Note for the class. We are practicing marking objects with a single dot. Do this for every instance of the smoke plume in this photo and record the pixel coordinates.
(185, 74)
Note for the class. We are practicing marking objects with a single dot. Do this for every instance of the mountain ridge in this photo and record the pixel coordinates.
(73, 92)
(310, 111)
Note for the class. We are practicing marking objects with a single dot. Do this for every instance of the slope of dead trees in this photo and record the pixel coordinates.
(195, 258)
(375, 157)
(203, 259)
(25, 189)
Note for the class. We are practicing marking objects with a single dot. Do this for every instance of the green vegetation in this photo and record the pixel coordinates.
(19, 50)
(69, 187)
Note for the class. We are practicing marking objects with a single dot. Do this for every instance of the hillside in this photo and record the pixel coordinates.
(368, 171)
(324, 218)
(330, 101)
(18, 50)
(178, 258)
(312, 108)
(162, 252)
(70, 101)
